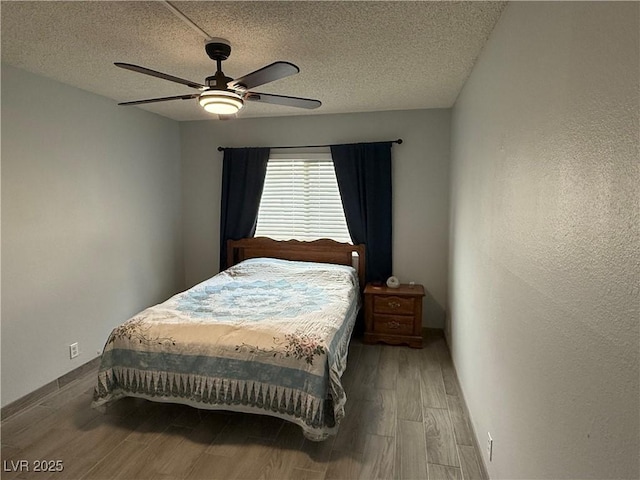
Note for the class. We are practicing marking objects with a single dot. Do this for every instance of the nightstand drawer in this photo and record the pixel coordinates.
(393, 305)
(393, 324)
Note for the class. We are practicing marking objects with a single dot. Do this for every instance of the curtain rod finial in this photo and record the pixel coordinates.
(399, 141)
(221, 149)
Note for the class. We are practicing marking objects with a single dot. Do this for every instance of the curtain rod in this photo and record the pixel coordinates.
(398, 141)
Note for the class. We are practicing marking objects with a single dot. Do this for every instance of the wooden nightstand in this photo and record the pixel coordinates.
(393, 315)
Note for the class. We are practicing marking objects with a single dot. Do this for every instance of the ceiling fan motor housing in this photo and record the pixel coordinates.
(218, 81)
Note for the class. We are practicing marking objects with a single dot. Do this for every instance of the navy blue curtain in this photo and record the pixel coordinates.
(363, 171)
(243, 173)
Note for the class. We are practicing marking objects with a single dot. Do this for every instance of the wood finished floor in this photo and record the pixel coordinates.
(404, 420)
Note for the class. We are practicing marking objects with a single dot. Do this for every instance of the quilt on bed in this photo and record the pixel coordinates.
(265, 336)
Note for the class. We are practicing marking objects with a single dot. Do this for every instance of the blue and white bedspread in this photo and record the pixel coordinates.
(265, 336)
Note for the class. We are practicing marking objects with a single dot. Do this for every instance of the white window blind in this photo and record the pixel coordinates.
(301, 199)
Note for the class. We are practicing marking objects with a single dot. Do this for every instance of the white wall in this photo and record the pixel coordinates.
(544, 241)
(91, 229)
(420, 185)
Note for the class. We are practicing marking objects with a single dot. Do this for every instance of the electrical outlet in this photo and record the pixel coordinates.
(489, 446)
(73, 350)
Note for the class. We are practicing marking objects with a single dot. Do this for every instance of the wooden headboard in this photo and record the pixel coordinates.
(323, 251)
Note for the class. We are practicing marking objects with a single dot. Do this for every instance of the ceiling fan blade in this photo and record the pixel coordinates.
(275, 71)
(164, 76)
(163, 99)
(283, 100)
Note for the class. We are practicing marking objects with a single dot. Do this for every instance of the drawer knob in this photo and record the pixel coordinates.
(393, 324)
(393, 304)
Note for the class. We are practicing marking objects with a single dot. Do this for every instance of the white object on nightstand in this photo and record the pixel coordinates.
(393, 282)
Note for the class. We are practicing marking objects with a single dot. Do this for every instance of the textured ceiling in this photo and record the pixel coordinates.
(353, 56)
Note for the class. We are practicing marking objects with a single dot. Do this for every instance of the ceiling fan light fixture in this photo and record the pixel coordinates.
(221, 102)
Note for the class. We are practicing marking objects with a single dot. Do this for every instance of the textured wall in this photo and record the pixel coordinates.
(420, 185)
(544, 241)
(90, 223)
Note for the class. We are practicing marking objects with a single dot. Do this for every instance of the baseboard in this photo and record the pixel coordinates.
(36, 396)
(481, 463)
(433, 332)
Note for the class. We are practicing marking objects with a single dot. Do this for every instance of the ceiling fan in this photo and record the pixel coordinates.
(224, 95)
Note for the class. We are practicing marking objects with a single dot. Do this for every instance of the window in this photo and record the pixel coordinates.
(301, 199)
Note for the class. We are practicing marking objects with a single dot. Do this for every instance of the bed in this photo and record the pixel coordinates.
(268, 336)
